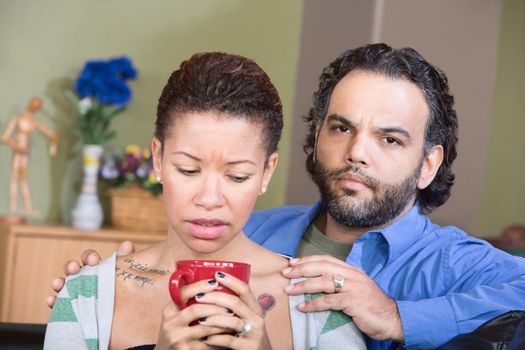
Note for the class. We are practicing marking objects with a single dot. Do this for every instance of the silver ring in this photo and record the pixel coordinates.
(339, 282)
(246, 328)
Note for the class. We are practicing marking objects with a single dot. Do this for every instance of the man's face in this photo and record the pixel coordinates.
(369, 152)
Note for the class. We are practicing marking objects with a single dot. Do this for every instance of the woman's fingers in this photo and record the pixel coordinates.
(191, 290)
(241, 289)
(246, 329)
(237, 307)
(224, 321)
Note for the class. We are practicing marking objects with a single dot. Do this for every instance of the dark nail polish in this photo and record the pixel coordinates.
(202, 319)
(199, 295)
(212, 282)
(221, 274)
(229, 311)
(204, 338)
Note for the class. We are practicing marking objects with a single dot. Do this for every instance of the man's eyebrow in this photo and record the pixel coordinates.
(386, 130)
(339, 118)
(396, 130)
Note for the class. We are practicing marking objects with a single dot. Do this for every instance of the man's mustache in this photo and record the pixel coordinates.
(368, 180)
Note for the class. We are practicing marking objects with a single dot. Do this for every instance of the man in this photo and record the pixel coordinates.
(381, 145)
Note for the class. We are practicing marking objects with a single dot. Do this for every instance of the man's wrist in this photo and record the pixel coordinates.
(396, 333)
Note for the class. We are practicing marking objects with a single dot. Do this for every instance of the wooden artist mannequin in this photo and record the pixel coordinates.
(23, 125)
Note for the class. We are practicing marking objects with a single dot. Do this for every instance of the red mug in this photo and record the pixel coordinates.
(191, 271)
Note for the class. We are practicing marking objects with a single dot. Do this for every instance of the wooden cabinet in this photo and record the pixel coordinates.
(30, 256)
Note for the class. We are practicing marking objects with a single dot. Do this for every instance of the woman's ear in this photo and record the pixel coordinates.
(156, 153)
(269, 169)
(430, 167)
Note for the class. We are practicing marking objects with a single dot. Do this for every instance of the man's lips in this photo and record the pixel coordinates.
(352, 181)
(206, 228)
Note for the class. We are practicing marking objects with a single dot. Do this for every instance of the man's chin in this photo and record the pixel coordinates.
(354, 198)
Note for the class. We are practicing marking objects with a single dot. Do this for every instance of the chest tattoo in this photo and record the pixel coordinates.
(266, 301)
(135, 271)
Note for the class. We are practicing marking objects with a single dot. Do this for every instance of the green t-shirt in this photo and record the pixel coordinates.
(314, 242)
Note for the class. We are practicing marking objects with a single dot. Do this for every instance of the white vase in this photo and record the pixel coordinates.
(87, 213)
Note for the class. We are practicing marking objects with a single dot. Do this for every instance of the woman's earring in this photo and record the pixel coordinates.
(262, 190)
(159, 180)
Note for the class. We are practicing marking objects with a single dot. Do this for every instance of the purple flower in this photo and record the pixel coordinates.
(109, 169)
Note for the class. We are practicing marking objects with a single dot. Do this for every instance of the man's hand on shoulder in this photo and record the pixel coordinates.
(88, 257)
(373, 312)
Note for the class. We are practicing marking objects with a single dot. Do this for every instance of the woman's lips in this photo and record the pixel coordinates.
(207, 228)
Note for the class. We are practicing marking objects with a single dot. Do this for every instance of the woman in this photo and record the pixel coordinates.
(219, 121)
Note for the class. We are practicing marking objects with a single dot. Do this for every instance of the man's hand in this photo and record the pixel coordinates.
(88, 257)
(373, 312)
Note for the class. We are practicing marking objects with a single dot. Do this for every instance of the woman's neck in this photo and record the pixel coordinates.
(240, 248)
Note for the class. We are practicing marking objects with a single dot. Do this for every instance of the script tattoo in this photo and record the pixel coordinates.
(136, 272)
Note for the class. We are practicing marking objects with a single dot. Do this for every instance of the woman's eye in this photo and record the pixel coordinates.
(188, 172)
(239, 178)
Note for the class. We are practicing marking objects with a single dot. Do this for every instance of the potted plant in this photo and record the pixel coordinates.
(101, 93)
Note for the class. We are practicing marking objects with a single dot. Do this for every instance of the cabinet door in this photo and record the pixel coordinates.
(36, 260)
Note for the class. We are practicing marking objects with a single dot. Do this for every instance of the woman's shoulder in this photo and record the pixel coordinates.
(86, 280)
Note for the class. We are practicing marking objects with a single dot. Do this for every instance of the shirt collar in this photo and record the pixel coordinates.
(294, 231)
(401, 233)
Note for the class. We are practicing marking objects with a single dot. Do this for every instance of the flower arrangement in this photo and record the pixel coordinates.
(101, 94)
(133, 166)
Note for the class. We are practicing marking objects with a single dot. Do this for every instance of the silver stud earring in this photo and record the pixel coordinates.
(263, 190)
(159, 180)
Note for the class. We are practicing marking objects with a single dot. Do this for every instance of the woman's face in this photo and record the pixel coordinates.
(213, 167)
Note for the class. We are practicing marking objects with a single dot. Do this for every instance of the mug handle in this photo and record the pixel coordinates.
(178, 279)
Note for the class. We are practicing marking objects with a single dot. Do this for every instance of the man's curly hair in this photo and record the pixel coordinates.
(406, 63)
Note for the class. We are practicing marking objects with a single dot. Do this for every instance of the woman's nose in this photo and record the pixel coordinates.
(210, 195)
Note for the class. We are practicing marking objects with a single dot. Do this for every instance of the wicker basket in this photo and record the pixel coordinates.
(133, 208)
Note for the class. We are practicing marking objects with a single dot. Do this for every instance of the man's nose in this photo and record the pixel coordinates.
(357, 150)
(210, 195)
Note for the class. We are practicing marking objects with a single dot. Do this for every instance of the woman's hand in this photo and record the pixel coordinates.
(247, 323)
(180, 329)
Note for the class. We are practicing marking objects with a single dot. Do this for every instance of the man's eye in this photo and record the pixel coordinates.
(340, 128)
(239, 178)
(391, 140)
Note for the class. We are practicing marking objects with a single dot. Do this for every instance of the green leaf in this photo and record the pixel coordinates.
(73, 98)
(115, 111)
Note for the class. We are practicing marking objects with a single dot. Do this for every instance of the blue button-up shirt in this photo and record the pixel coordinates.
(444, 281)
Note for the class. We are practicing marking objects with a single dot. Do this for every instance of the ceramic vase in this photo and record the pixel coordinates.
(87, 213)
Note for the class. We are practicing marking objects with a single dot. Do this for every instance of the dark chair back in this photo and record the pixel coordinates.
(15, 336)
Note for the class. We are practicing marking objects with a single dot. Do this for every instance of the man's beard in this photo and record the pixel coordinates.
(387, 202)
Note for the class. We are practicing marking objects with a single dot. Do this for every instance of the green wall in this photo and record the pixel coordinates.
(44, 44)
(503, 200)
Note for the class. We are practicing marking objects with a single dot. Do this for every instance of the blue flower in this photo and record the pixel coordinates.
(103, 84)
(123, 67)
(105, 81)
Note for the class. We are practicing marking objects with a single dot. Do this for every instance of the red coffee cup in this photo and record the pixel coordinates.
(191, 271)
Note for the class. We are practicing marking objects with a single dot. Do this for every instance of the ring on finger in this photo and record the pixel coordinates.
(246, 328)
(339, 282)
